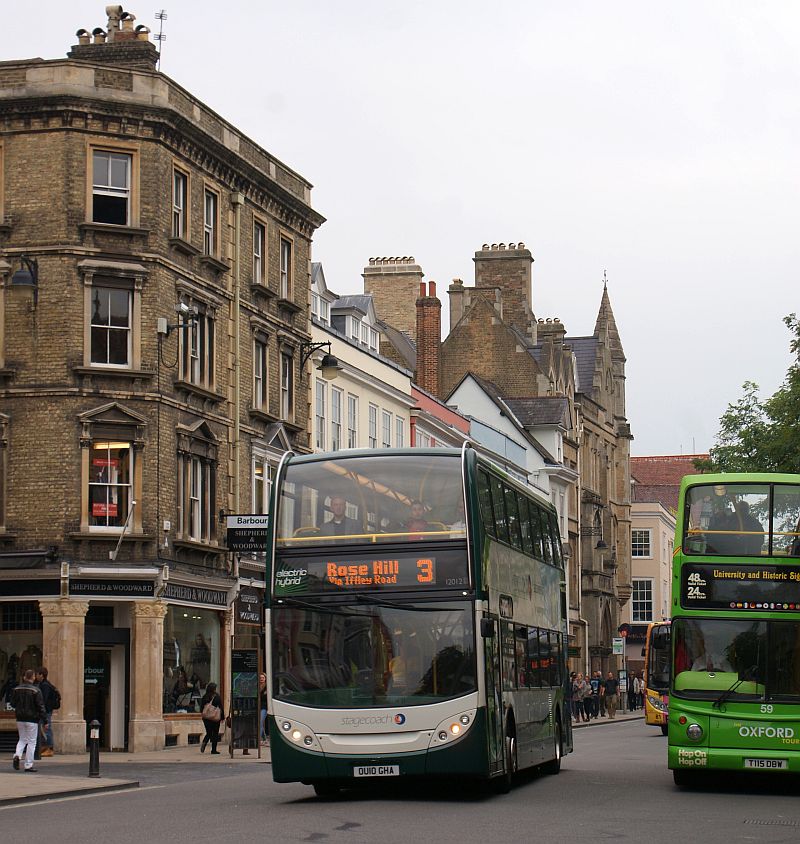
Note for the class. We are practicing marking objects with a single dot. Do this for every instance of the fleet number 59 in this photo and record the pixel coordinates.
(766, 707)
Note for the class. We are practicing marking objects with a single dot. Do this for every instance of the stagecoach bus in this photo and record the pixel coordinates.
(416, 621)
(734, 700)
(656, 674)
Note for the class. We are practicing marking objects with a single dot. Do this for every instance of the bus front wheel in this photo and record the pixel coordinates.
(683, 779)
(326, 789)
(503, 783)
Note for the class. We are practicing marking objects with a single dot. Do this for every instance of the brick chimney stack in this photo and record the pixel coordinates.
(393, 284)
(509, 268)
(119, 44)
(429, 338)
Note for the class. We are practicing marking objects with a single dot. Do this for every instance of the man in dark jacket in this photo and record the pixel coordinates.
(30, 713)
(51, 697)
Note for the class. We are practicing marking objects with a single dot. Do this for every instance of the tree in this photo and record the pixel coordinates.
(762, 436)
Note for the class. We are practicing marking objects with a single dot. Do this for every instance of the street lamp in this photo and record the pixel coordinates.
(328, 367)
(26, 278)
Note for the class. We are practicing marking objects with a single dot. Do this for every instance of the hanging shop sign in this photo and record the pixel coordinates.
(248, 605)
(247, 534)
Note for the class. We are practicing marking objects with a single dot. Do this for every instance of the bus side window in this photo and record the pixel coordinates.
(534, 672)
(485, 499)
(547, 548)
(536, 530)
(499, 507)
(554, 536)
(521, 647)
(525, 525)
(555, 675)
(512, 510)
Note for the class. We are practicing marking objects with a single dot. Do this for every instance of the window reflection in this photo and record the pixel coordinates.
(348, 655)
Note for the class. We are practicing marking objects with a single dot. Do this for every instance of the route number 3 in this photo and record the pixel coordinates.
(425, 573)
(766, 707)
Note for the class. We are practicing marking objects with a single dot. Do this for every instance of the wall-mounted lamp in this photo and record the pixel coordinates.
(328, 366)
(26, 278)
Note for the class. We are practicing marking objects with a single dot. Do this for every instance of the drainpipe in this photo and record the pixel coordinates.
(238, 202)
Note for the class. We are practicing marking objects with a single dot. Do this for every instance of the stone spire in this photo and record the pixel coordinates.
(605, 322)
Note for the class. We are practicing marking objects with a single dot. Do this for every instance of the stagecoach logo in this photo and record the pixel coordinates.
(399, 718)
(692, 758)
(372, 720)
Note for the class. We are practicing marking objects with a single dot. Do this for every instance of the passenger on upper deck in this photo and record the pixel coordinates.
(340, 524)
(416, 521)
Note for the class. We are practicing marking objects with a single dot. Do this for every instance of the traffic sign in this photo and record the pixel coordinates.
(618, 646)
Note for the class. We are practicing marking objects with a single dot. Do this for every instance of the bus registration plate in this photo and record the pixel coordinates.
(770, 764)
(376, 771)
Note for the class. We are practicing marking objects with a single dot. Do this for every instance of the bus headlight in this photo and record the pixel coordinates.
(452, 729)
(656, 703)
(296, 733)
(695, 732)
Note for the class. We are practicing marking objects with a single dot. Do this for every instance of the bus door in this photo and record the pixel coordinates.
(490, 632)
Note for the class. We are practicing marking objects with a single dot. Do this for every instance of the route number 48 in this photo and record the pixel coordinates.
(766, 707)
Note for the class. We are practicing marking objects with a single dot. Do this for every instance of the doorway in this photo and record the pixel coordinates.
(97, 692)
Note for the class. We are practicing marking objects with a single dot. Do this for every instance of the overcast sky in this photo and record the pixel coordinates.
(657, 142)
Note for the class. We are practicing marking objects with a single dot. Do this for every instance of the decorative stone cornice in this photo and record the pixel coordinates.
(63, 608)
(149, 609)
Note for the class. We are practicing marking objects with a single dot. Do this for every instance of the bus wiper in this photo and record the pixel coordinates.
(296, 602)
(381, 602)
(747, 674)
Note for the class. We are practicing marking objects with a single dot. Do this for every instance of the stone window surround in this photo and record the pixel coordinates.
(260, 276)
(197, 442)
(186, 230)
(95, 427)
(115, 146)
(207, 308)
(286, 291)
(211, 229)
(113, 274)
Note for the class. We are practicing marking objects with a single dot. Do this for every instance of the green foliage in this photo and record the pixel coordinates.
(763, 436)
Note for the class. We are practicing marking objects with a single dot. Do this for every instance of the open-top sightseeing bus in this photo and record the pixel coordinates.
(416, 621)
(657, 659)
(735, 689)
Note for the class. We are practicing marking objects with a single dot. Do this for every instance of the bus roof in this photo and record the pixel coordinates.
(739, 477)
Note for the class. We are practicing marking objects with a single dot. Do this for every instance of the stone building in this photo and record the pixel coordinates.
(568, 393)
(154, 264)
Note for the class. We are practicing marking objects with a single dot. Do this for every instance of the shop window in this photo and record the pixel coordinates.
(20, 644)
(262, 482)
(191, 657)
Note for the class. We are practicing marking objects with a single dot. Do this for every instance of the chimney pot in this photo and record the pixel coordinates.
(422, 289)
(99, 35)
(432, 289)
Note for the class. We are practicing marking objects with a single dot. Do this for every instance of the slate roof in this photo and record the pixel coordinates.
(585, 351)
(359, 303)
(402, 343)
(540, 410)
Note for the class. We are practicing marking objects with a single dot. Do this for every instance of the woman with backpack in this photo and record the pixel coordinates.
(213, 715)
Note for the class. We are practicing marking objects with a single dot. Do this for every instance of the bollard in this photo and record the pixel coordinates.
(94, 748)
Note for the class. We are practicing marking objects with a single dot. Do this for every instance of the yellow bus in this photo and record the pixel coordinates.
(656, 674)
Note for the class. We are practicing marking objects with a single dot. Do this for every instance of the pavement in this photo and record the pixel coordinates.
(67, 775)
(620, 716)
(61, 776)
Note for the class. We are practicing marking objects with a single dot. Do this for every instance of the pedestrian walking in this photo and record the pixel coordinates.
(611, 694)
(580, 689)
(52, 701)
(213, 715)
(30, 714)
(638, 690)
(262, 699)
(592, 703)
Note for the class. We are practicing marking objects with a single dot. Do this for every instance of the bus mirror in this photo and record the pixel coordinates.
(487, 628)
(644, 651)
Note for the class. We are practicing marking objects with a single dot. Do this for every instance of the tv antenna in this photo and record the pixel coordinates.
(160, 36)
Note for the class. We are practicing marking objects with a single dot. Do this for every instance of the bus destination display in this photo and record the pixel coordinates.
(305, 574)
(741, 587)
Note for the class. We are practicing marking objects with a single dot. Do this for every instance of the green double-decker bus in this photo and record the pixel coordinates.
(416, 621)
(734, 700)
